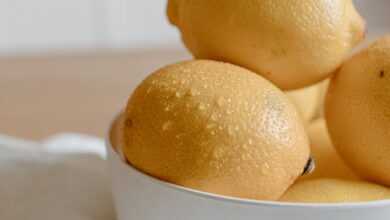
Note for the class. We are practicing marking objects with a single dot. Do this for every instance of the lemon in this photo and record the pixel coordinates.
(306, 100)
(320, 112)
(116, 135)
(215, 127)
(335, 191)
(358, 112)
(293, 43)
(327, 161)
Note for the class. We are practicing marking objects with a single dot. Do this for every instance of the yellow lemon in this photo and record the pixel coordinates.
(306, 100)
(335, 191)
(358, 112)
(215, 127)
(321, 106)
(293, 43)
(327, 161)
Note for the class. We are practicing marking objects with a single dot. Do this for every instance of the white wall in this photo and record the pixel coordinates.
(139, 22)
(42, 25)
(45, 25)
(29, 25)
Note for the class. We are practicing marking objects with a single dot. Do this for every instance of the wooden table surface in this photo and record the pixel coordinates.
(41, 96)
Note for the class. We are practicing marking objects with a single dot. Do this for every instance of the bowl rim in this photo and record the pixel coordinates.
(230, 199)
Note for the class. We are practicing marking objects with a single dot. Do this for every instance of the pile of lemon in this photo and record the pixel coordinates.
(228, 122)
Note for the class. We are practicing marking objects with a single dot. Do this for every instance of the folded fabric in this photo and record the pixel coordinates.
(61, 178)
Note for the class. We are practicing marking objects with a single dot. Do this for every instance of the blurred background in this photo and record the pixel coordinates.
(56, 25)
(71, 65)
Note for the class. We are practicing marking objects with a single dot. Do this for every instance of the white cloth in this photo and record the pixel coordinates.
(61, 178)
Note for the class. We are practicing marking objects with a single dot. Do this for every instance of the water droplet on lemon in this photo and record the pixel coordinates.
(167, 125)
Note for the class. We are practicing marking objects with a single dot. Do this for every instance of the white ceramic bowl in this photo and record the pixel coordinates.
(138, 196)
